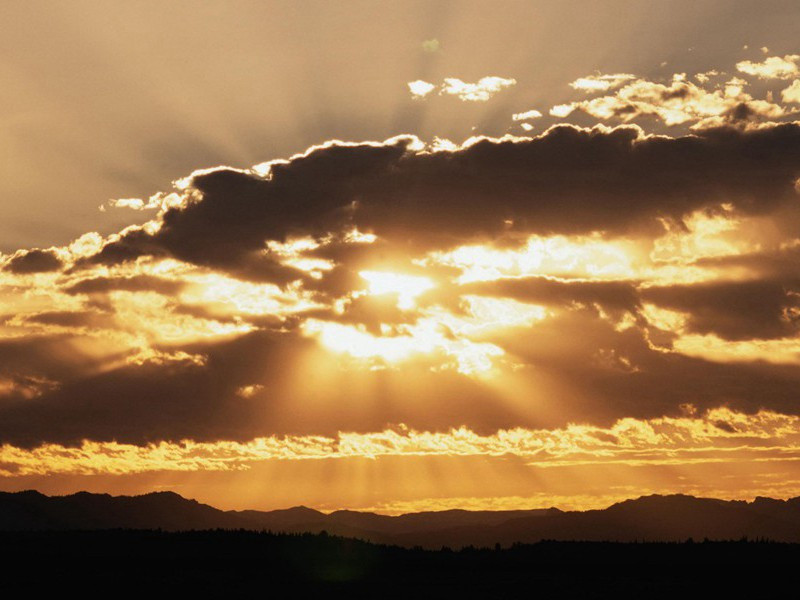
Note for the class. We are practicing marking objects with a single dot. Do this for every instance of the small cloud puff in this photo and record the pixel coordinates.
(600, 83)
(524, 116)
(561, 110)
(479, 91)
(420, 89)
(792, 93)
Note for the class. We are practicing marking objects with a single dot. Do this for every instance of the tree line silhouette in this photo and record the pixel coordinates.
(245, 561)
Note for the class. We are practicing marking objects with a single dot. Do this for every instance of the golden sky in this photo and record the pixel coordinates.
(430, 256)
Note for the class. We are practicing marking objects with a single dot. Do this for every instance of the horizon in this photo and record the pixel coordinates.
(400, 257)
(368, 510)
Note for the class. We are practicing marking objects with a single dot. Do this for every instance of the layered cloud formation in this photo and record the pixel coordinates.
(592, 295)
(744, 98)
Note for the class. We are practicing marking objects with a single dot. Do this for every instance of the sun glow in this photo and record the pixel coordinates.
(557, 255)
(228, 296)
(427, 339)
(407, 287)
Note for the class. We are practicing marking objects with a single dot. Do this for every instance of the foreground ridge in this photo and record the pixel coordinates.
(648, 518)
(249, 561)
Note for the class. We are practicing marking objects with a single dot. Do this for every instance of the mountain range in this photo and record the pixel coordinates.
(648, 518)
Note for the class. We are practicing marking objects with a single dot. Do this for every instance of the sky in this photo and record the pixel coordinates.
(399, 257)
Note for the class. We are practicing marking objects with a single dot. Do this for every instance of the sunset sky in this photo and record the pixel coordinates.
(400, 256)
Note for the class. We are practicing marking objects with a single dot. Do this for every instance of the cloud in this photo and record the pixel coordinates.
(681, 101)
(524, 116)
(600, 83)
(481, 91)
(618, 179)
(516, 282)
(745, 310)
(612, 295)
(773, 67)
(33, 261)
(792, 93)
(719, 435)
(158, 201)
(561, 110)
(706, 77)
(420, 89)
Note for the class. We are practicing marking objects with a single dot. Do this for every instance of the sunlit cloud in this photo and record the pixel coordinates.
(719, 435)
(248, 391)
(224, 295)
(420, 89)
(600, 83)
(707, 76)
(558, 255)
(524, 116)
(792, 93)
(426, 340)
(292, 253)
(681, 101)
(561, 110)
(152, 315)
(699, 236)
(484, 314)
(159, 201)
(480, 91)
(773, 67)
(711, 347)
(406, 287)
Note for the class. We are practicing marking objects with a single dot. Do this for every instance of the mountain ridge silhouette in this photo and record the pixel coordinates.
(675, 517)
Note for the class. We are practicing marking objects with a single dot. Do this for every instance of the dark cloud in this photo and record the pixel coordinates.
(33, 261)
(575, 365)
(614, 295)
(52, 357)
(780, 263)
(746, 310)
(73, 319)
(598, 374)
(152, 402)
(138, 283)
(577, 368)
(567, 181)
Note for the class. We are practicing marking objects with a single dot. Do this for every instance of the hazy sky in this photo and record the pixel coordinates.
(398, 256)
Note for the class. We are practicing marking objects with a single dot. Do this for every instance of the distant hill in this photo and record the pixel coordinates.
(649, 518)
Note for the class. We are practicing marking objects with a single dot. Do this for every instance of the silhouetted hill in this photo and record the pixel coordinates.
(431, 521)
(31, 510)
(649, 518)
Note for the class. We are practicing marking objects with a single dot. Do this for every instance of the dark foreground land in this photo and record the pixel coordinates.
(118, 563)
